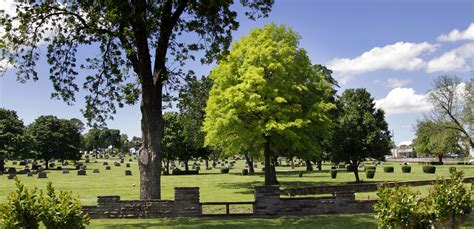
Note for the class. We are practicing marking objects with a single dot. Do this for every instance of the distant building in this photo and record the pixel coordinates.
(402, 151)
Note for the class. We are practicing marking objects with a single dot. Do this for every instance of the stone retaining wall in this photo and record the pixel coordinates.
(362, 187)
(186, 203)
(269, 203)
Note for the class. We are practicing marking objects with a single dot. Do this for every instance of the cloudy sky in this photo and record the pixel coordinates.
(393, 48)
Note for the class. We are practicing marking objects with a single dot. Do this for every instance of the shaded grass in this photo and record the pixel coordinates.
(321, 221)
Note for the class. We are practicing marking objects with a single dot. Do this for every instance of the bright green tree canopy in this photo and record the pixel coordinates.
(267, 87)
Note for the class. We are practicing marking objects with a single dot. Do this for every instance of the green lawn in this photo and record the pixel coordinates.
(359, 221)
(213, 185)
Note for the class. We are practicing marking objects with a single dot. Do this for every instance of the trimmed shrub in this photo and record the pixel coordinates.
(406, 169)
(370, 173)
(333, 173)
(388, 169)
(349, 168)
(460, 163)
(245, 172)
(225, 170)
(452, 169)
(436, 163)
(429, 169)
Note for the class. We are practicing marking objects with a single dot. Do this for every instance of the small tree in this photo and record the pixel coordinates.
(55, 138)
(361, 130)
(13, 142)
(435, 140)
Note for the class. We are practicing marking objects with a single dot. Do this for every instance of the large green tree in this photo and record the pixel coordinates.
(13, 141)
(55, 138)
(267, 95)
(137, 41)
(360, 132)
(434, 139)
(453, 105)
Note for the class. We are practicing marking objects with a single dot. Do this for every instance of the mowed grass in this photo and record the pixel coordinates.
(359, 221)
(213, 185)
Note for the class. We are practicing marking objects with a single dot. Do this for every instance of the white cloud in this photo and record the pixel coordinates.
(406, 143)
(404, 100)
(395, 82)
(456, 35)
(398, 56)
(456, 60)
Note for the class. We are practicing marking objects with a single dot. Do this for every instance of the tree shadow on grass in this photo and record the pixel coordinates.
(321, 221)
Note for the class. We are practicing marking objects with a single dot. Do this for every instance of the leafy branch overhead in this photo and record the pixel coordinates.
(135, 44)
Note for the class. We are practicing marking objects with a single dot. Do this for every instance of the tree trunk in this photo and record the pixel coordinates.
(167, 165)
(46, 161)
(250, 164)
(149, 159)
(440, 159)
(207, 163)
(355, 167)
(186, 166)
(2, 164)
(320, 165)
(309, 167)
(270, 175)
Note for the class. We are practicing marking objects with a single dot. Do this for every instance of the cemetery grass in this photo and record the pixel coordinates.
(214, 186)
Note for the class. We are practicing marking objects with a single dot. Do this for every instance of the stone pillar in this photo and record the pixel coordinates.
(267, 200)
(186, 201)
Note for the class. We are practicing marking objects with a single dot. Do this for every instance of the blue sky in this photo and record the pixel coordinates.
(393, 48)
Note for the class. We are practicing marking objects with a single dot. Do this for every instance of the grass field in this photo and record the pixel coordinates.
(359, 221)
(214, 186)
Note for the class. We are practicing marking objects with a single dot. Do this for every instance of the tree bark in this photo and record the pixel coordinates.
(320, 165)
(440, 159)
(355, 167)
(46, 161)
(270, 175)
(2, 164)
(309, 167)
(186, 166)
(207, 163)
(149, 158)
(250, 164)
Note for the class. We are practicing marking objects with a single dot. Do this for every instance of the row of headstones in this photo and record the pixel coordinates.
(43, 174)
(116, 164)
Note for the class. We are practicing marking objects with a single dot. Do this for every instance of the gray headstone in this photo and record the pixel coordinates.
(127, 165)
(81, 172)
(11, 176)
(107, 167)
(128, 173)
(95, 171)
(65, 171)
(42, 175)
(105, 163)
(29, 174)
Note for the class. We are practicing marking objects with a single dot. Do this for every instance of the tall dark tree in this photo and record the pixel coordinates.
(55, 138)
(138, 42)
(361, 131)
(13, 142)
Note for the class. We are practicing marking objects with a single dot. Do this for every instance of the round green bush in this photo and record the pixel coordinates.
(388, 169)
(429, 169)
(406, 169)
(245, 172)
(333, 173)
(349, 168)
(370, 173)
(225, 170)
(452, 169)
